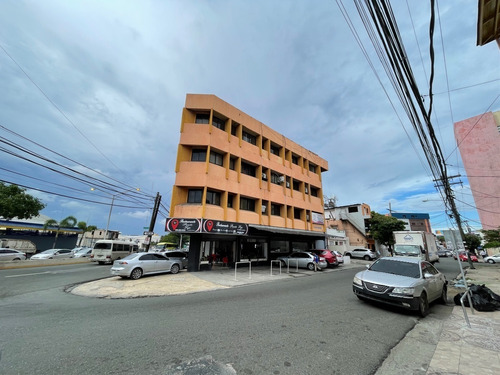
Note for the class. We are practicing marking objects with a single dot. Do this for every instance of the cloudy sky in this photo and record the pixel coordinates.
(97, 88)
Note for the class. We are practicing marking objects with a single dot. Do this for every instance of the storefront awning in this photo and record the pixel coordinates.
(287, 231)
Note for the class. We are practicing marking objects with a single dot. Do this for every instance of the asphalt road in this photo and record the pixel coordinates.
(308, 325)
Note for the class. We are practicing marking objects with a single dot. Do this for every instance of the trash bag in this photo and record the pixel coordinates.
(483, 298)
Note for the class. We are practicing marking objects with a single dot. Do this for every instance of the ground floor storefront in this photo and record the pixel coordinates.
(223, 243)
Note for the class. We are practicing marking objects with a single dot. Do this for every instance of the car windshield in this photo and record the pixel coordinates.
(396, 268)
(48, 252)
(131, 256)
(100, 245)
(407, 250)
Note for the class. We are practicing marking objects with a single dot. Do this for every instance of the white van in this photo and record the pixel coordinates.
(107, 251)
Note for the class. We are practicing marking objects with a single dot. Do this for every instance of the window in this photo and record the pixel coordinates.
(312, 167)
(202, 118)
(296, 213)
(275, 209)
(247, 204)
(276, 178)
(296, 185)
(194, 195)
(314, 191)
(216, 158)
(264, 176)
(199, 155)
(219, 123)
(249, 138)
(295, 159)
(230, 200)
(275, 149)
(234, 128)
(213, 197)
(232, 163)
(352, 209)
(247, 169)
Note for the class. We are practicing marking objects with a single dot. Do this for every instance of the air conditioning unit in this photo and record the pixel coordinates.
(281, 179)
(264, 176)
(264, 208)
(287, 184)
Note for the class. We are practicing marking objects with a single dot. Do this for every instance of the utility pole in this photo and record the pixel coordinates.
(153, 219)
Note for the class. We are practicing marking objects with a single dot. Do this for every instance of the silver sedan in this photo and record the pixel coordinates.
(303, 259)
(406, 282)
(137, 264)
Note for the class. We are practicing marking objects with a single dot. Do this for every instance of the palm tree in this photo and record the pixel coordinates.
(68, 222)
(86, 228)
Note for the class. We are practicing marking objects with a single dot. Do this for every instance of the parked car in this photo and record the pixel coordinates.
(463, 256)
(304, 259)
(11, 254)
(54, 254)
(83, 252)
(340, 257)
(410, 283)
(443, 253)
(178, 255)
(136, 265)
(493, 258)
(330, 257)
(361, 253)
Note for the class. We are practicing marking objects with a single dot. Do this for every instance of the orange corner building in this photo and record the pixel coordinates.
(242, 190)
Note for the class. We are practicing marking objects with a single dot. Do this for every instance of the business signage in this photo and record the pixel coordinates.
(317, 218)
(183, 225)
(224, 227)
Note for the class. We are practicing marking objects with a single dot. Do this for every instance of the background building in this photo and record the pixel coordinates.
(353, 221)
(242, 191)
(478, 139)
(414, 221)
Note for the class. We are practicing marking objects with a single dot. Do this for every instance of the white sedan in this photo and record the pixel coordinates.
(493, 258)
(54, 254)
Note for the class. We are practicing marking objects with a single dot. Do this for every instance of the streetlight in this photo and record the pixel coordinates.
(111, 208)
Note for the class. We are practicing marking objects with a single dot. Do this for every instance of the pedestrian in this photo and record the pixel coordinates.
(316, 261)
(483, 253)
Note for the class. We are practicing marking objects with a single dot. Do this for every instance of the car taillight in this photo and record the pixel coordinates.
(122, 263)
(92, 256)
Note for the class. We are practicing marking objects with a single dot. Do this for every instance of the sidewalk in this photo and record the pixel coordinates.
(435, 346)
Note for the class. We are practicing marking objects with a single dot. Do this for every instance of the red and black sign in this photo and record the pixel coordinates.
(183, 225)
(224, 227)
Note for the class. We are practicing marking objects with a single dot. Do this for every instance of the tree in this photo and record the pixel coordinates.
(472, 241)
(15, 202)
(86, 228)
(175, 238)
(68, 222)
(381, 228)
(492, 237)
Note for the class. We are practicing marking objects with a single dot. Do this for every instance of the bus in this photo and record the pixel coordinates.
(107, 251)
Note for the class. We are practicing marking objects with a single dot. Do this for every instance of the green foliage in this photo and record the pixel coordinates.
(86, 228)
(492, 237)
(472, 241)
(68, 222)
(381, 228)
(15, 202)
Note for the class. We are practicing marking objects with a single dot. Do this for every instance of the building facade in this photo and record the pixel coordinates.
(353, 221)
(242, 191)
(478, 139)
(414, 221)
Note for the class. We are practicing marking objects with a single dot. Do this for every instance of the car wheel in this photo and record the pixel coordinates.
(310, 266)
(423, 305)
(444, 295)
(16, 259)
(136, 274)
(491, 261)
(366, 257)
(174, 269)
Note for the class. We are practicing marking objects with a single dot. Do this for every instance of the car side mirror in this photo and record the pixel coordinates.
(367, 266)
(427, 275)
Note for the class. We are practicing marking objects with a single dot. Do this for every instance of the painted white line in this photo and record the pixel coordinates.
(29, 274)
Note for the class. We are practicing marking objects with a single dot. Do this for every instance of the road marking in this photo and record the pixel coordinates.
(29, 274)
